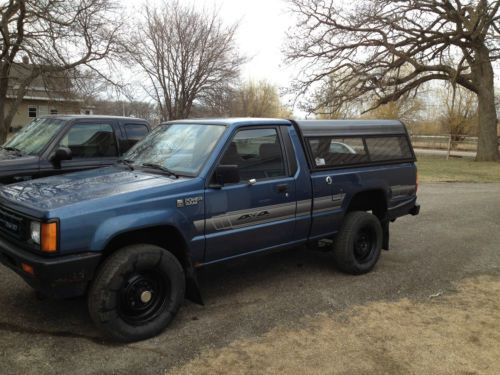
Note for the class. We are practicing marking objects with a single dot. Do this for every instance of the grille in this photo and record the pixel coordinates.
(12, 224)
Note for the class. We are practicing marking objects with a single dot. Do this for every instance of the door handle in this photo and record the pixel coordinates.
(281, 188)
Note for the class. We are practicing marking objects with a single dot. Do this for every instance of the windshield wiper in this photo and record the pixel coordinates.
(15, 149)
(127, 162)
(160, 168)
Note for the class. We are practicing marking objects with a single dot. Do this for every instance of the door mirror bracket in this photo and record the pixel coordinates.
(61, 153)
(225, 174)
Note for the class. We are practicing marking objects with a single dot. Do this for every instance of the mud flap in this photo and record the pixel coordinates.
(385, 233)
(193, 292)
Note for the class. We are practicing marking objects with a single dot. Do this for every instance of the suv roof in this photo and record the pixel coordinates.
(83, 117)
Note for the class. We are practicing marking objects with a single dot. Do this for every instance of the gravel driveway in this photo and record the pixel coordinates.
(456, 237)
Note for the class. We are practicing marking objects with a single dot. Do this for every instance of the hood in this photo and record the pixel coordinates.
(57, 191)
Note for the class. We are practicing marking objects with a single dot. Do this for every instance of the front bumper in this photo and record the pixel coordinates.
(57, 276)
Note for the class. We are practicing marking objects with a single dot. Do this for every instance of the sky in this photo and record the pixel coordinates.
(261, 35)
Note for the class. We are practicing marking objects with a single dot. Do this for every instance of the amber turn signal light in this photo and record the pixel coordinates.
(49, 237)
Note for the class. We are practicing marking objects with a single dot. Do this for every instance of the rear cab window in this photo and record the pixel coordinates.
(334, 151)
(388, 148)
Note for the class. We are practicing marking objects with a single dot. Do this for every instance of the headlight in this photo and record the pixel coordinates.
(35, 232)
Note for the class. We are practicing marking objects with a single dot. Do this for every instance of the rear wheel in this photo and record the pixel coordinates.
(137, 292)
(359, 242)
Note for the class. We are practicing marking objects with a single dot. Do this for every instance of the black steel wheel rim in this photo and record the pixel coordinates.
(365, 244)
(143, 297)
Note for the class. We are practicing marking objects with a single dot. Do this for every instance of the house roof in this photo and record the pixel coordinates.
(52, 86)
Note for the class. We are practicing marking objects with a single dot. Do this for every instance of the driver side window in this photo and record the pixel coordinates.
(257, 153)
(90, 141)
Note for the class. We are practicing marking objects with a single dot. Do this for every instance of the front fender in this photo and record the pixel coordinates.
(115, 226)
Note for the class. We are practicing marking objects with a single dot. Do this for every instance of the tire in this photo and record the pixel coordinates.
(137, 292)
(358, 244)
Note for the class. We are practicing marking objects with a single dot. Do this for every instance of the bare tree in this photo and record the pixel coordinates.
(258, 99)
(90, 85)
(407, 108)
(459, 112)
(325, 105)
(54, 36)
(188, 55)
(218, 104)
(390, 48)
(129, 108)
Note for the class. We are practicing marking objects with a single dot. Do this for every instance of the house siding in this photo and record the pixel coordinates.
(45, 93)
(21, 117)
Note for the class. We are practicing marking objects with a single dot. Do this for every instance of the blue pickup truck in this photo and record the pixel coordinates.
(197, 192)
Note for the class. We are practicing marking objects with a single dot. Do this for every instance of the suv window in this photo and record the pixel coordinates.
(257, 153)
(90, 141)
(134, 133)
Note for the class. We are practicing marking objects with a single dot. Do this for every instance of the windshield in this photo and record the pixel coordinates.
(32, 138)
(179, 148)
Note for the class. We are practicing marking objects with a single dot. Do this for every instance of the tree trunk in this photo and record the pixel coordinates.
(3, 136)
(487, 146)
(4, 123)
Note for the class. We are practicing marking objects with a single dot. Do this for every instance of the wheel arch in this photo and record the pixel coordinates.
(376, 201)
(167, 237)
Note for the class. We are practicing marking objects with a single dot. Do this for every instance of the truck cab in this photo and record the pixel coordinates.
(196, 192)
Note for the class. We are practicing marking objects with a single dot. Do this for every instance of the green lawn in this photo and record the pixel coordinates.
(437, 168)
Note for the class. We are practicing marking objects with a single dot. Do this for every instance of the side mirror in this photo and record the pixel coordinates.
(227, 174)
(62, 153)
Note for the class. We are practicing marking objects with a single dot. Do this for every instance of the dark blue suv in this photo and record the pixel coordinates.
(51, 145)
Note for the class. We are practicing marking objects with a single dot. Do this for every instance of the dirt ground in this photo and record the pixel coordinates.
(293, 312)
(454, 332)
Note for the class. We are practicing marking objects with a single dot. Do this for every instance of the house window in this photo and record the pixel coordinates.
(32, 111)
(53, 111)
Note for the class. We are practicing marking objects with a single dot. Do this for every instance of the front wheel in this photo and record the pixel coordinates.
(359, 242)
(137, 292)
